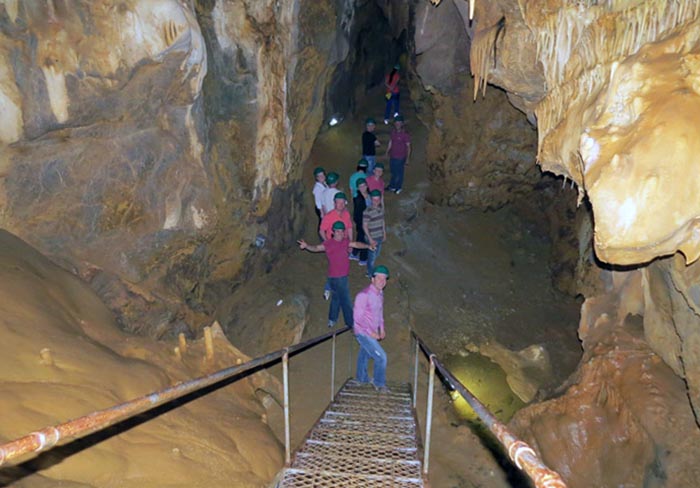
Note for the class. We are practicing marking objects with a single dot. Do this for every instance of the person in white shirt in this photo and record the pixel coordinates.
(319, 188)
(329, 194)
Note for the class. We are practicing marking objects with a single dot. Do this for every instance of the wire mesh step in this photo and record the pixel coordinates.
(322, 448)
(365, 438)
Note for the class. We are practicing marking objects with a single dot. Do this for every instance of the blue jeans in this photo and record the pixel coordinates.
(393, 101)
(397, 168)
(370, 349)
(372, 257)
(340, 298)
(371, 163)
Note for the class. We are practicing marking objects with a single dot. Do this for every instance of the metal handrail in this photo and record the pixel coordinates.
(524, 457)
(49, 437)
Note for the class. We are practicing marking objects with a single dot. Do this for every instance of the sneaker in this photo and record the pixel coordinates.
(381, 389)
(396, 114)
(326, 294)
(397, 191)
(354, 257)
(386, 121)
(388, 188)
(362, 263)
(331, 324)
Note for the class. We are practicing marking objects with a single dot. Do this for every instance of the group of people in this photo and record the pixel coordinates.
(342, 244)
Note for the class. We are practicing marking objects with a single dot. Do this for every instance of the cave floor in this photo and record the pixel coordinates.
(462, 279)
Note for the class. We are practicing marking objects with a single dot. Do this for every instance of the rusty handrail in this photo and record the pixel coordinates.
(524, 457)
(49, 437)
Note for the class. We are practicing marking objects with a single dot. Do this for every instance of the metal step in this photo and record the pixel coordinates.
(364, 438)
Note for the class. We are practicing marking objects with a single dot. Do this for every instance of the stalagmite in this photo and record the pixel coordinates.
(183, 342)
(46, 357)
(208, 343)
(178, 355)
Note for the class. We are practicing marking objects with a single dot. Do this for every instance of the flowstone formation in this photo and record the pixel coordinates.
(147, 144)
(62, 357)
(612, 88)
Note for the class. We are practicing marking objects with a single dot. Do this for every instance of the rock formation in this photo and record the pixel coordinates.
(62, 356)
(610, 86)
(146, 144)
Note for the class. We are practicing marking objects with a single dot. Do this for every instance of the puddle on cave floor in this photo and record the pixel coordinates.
(487, 382)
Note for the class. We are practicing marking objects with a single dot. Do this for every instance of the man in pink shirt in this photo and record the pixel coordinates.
(376, 181)
(368, 314)
(337, 251)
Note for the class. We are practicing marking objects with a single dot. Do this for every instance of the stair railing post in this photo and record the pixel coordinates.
(416, 352)
(333, 368)
(429, 414)
(350, 350)
(285, 379)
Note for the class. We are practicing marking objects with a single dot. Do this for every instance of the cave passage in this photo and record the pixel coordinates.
(476, 285)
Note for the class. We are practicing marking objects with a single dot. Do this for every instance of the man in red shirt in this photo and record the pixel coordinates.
(398, 150)
(337, 251)
(339, 213)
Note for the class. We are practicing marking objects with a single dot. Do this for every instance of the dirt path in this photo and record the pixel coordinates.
(459, 278)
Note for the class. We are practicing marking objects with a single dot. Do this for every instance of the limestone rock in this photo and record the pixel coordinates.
(256, 323)
(623, 421)
(147, 143)
(526, 370)
(215, 440)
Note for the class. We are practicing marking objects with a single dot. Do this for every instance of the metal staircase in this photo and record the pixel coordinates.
(364, 438)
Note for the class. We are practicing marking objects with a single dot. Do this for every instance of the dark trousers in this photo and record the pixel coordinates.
(392, 102)
(397, 170)
(362, 253)
(318, 214)
(340, 299)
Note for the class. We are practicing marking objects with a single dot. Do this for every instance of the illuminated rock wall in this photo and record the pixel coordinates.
(612, 88)
(145, 144)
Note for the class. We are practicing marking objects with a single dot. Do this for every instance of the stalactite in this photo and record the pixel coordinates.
(482, 56)
(579, 45)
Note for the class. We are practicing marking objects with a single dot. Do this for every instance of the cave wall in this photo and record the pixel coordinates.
(147, 144)
(480, 153)
(611, 88)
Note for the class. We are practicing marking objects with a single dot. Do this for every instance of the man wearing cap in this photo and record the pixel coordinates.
(370, 143)
(368, 314)
(375, 229)
(336, 249)
(398, 150)
(360, 173)
(319, 187)
(339, 213)
(376, 181)
(329, 193)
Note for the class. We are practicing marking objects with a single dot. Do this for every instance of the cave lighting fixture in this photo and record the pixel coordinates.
(335, 120)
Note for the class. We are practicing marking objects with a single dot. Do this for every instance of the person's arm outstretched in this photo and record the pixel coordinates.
(306, 247)
(362, 245)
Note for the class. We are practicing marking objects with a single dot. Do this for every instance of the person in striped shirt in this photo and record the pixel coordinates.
(375, 229)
